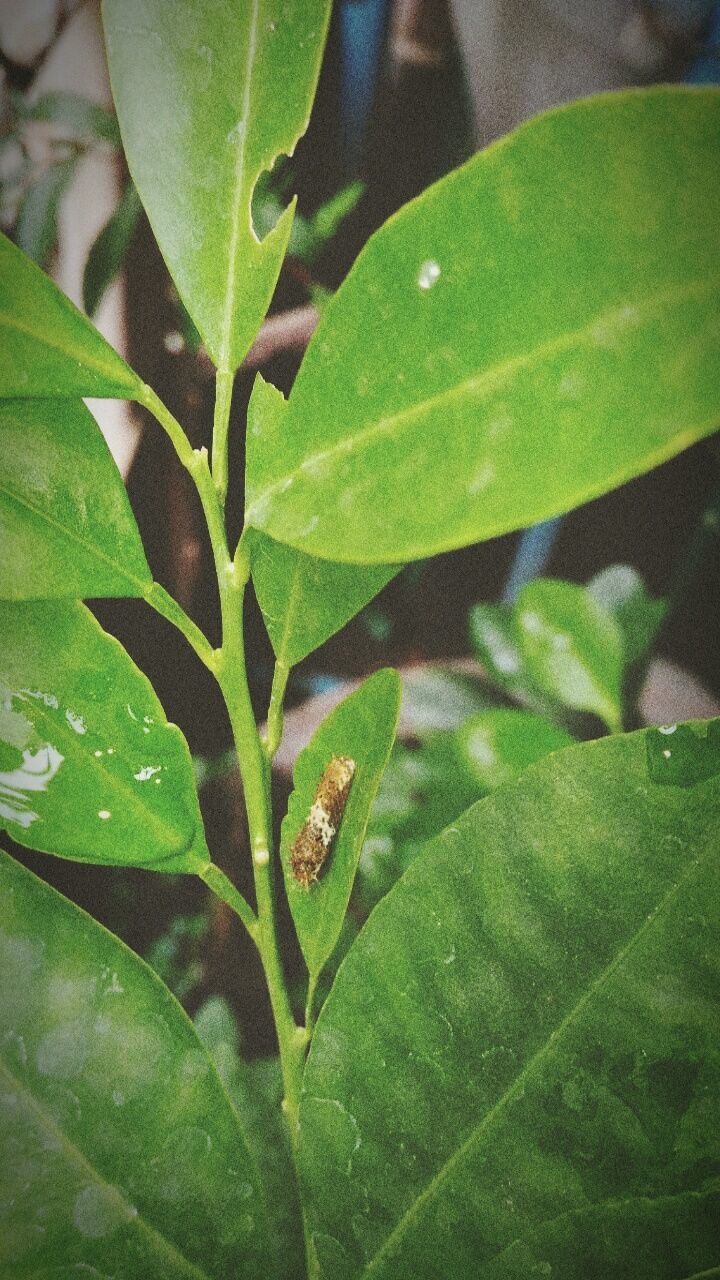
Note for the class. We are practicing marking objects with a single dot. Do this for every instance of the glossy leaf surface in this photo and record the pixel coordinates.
(621, 591)
(544, 325)
(66, 524)
(91, 769)
(571, 647)
(49, 348)
(121, 1153)
(498, 745)
(679, 755)
(518, 1066)
(363, 728)
(304, 600)
(205, 105)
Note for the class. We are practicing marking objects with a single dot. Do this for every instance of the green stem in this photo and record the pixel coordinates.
(274, 733)
(223, 400)
(164, 604)
(223, 888)
(170, 424)
(310, 1001)
(229, 667)
(255, 774)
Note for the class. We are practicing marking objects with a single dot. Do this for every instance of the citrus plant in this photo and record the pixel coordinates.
(516, 1071)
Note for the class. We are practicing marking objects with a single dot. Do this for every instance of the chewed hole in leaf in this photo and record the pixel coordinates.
(270, 198)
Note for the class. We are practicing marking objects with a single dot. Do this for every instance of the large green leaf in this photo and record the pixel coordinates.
(205, 105)
(121, 1154)
(362, 727)
(571, 647)
(517, 1071)
(65, 521)
(304, 600)
(49, 348)
(534, 330)
(91, 769)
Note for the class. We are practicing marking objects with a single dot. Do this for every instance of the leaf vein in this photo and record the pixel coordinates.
(538, 1058)
(73, 1153)
(91, 547)
(476, 385)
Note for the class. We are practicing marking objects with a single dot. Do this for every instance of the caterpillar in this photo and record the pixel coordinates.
(315, 837)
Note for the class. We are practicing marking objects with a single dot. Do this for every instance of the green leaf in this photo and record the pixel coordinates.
(121, 1153)
(422, 790)
(363, 728)
(495, 642)
(536, 329)
(75, 114)
(620, 590)
(108, 252)
(520, 1052)
(205, 106)
(327, 218)
(67, 526)
(303, 600)
(679, 756)
(36, 227)
(91, 768)
(49, 348)
(256, 1088)
(499, 744)
(571, 647)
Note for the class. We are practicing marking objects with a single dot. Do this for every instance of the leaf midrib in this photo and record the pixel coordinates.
(116, 784)
(477, 384)
(294, 598)
(538, 1058)
(236, 202)
(73, 1153)
(82, 356)
(611, 1202)
(92, 548)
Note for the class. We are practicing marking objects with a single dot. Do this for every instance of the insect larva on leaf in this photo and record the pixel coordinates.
(315, 837)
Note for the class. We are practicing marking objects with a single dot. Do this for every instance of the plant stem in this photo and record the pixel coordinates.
(255, 774)
(223, 888)
(310, 1001)
(164, 604)
(273, 736)
(229, 666)
(169, 423)
(223, 400)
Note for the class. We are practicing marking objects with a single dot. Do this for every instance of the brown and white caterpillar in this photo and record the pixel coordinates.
(315, 837)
